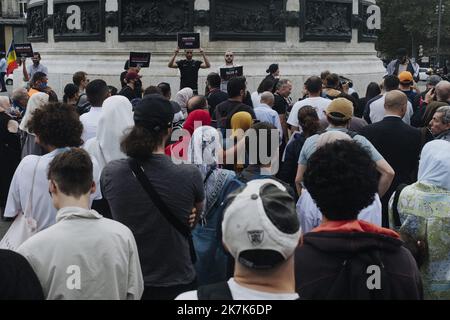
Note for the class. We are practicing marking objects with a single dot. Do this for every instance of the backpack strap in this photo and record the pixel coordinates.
(217, 291)
(396, 215)
(352, 134)
(210, 172)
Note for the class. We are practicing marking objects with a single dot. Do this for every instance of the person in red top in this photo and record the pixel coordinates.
(196, 119)
(345, 258)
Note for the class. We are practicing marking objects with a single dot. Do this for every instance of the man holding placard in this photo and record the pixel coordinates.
(229, 63)
(189, 67)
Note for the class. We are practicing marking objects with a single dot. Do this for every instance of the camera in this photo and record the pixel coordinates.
(344, 81)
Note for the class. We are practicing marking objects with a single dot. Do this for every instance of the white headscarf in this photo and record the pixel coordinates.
(116, 117)
(182, 97)
(36, 101)
(434, 167)
(204, 153)
(204, 148)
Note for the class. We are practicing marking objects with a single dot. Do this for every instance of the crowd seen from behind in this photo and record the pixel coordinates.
(144, 193)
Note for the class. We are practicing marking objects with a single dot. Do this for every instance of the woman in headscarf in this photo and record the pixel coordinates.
(204, 152)
(195, 119)
(116, 117)
(422, 215)
(29, 147)
(240, 122)
(182, 97)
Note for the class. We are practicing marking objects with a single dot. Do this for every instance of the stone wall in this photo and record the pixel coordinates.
(300, 54)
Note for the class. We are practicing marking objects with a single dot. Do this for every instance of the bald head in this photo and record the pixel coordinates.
(443, 91)
(396, 103)
(268, 98)
(197, 103)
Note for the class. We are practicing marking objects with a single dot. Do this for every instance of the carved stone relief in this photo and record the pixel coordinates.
(155, 19)
(79, 20)
(36, 22)
(248, 20)
(326, 20)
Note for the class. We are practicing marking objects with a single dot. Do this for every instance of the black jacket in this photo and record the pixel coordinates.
(215, 97)
(336, 266)
(288, 168)
(17, 279)
(400, 145)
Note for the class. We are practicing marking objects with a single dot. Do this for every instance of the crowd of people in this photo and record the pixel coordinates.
(130, 194)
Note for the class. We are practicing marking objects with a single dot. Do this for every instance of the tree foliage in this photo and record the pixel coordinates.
(410, 23)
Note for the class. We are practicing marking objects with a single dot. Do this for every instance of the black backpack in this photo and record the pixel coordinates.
(361, 276)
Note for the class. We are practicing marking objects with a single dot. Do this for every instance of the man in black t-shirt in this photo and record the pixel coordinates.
(189, 69)
(215, 95)
(225, 110)
(283, 91)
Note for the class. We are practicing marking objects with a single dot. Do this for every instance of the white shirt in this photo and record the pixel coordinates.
(256, 99)
(318, 103)
(101, 252)
(265, 113)
(377, 111)
(42, 209)
(90, 123)
(310, 216)
(242, 293)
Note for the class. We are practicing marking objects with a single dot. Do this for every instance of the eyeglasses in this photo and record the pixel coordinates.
(229, 56)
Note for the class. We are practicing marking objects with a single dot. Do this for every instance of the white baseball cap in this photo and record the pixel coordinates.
(260, 226)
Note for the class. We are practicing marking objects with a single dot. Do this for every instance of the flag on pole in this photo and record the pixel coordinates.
(11, 59)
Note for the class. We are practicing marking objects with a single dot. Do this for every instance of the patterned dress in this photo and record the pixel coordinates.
(424, 212)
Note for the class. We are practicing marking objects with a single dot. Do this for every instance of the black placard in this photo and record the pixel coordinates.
(140, 59)
(230, 73)
(24, 50)
(188, 40)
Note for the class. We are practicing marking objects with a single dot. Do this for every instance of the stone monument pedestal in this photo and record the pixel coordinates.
(299, 49)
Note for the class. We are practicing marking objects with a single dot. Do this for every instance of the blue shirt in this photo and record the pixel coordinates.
(310, 147)
(3, 65)
(264, 113)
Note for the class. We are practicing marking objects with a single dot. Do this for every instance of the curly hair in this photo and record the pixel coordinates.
(58, 125)
(342, 179)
